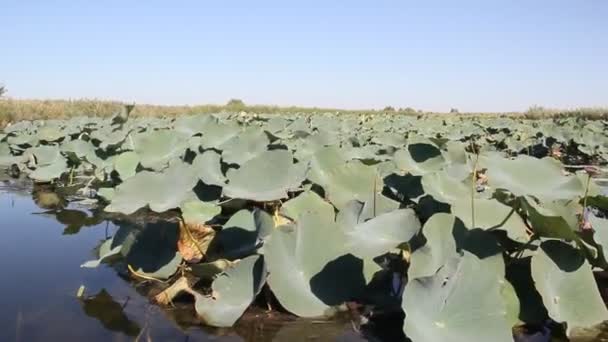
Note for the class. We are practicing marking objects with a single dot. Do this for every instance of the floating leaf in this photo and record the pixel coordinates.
(491, 215)
(464, 301)
(266, 177)
(232, 292)
(565, 281)
(125, 164)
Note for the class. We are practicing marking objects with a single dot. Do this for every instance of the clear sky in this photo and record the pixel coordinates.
(432, 55)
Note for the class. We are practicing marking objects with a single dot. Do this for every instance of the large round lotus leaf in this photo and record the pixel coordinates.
(389, 139)
(565, 281)
(245, 146)
(354, 180)
(232, 292)
(192, 125)
(524, 175)
(440, 246)
(552, 219)
(80, 148)
(160, 191)
(209, 168)
(156, 148)
(154, 252)
(380, 234)
(445, 188)
(50, 172)
(50, 133)
(464, 301)
(308, 269)
(111, 138)
(45, 155)
(491, 215)
(420, 157)
(305, 202)
(125, 164)
(239, 235)
(276, 124)
(324, 160)
(215, 134)
(22, 140)
(5, 150)
(266, 177)
(195, 211)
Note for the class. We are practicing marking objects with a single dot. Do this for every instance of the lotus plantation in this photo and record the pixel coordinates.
(430, 227)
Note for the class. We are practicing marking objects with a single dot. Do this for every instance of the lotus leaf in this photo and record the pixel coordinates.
(463, 301)
(564, 279)
(267, 177)
(232, 292)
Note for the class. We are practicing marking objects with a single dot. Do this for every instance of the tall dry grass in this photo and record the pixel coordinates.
(12, 110)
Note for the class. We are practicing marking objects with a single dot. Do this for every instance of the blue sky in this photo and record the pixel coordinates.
(433, 55)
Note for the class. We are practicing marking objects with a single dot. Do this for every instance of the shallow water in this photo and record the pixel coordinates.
(41, 260)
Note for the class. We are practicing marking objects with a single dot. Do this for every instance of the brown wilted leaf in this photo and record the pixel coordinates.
(194, 241)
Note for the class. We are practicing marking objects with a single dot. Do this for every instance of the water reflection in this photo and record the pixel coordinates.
(110, 313)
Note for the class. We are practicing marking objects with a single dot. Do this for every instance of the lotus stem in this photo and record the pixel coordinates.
(143, 276)
(473, 184)
(583, 216)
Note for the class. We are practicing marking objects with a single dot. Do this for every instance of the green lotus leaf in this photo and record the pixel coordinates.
(23, 140)
(464, 301)
(445, 188)
(156, 148)
(106, 193)
(491, 215)
(380, 234)
(420, 157)
(209, 168)
(245, 146)
(309, 271)
(192, 125)
(50, 133)
(390, 139)
(242, 233)
(232, 292)
(439, 248)
(565, 281)
(109, 138)
(45, 155)
(160, 191)
(305, 202)
(553, 219)
(153, 252)
(348, 181)
(324, 160)
(524, 175)
(126, 164)
(80, 148)
(50, 172)
(195, 211)
(215, 134)
(266, 177)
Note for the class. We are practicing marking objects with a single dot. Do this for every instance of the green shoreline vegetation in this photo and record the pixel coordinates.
(13, 110)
